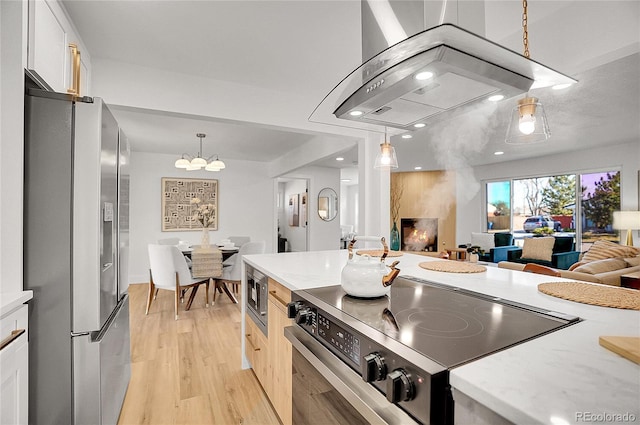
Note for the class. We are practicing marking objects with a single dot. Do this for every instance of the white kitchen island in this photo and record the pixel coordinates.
(564, 377)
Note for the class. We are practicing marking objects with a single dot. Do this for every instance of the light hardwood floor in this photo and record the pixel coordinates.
(188, 371)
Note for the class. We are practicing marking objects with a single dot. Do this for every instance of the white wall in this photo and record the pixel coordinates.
(625, 156)
(245, 200)
(322, 234)
(349, 206)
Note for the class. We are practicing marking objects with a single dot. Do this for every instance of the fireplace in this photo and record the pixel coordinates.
(419, 234)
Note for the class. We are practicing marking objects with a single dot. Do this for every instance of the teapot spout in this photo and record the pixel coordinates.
(388, 279)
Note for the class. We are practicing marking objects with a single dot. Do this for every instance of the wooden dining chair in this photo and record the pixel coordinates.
(540, 269)
(168, 270)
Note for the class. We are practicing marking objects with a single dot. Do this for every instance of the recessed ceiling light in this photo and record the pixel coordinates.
(339, 158)
(407, 136)
(498, 153)
(417, 168)
(425, 75)
(356, 113)
(345, 180)
(419, 125)
(495, 97)
(561, 86)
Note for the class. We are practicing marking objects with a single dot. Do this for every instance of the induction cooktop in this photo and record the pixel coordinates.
(447, 324)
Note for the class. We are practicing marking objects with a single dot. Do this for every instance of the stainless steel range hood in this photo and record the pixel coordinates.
(465, 69)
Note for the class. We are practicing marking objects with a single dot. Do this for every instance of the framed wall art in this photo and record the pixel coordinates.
(303, 209)
(293, 214)
(177, 209)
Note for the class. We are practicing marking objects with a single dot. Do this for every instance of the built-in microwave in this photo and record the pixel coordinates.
(257, 295)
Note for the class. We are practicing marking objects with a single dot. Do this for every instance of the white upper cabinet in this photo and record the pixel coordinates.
(56, 57)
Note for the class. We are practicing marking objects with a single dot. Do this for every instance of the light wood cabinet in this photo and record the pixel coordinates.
(270, 357)
(55, 54)
(256, 352)
(14, 368)
(280, 350)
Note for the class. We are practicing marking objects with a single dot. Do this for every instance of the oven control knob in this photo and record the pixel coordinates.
(303, 316)
(292, 309)
(399, 386)
(374, 368)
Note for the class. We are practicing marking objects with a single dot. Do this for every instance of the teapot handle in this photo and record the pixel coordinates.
(369, 239)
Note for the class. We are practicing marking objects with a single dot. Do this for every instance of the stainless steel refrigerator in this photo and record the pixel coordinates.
(75, 247)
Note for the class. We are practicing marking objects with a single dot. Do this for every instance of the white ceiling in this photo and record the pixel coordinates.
(306, 47)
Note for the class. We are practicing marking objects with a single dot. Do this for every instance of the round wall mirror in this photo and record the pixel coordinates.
(327, 204)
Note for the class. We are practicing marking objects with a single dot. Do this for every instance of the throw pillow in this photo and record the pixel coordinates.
(602, 266)
(485, 241)
(538, 248)
(633, 261)
(576, 265)
(605, 249)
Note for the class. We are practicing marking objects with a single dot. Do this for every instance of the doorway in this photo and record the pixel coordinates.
(293, 214)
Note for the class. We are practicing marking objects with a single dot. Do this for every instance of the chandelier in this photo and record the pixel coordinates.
(197, 162)
(528, 122)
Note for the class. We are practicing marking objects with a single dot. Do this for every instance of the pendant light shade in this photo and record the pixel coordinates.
(198, 162)
(386, 158)
(182, 163)
(528, 123)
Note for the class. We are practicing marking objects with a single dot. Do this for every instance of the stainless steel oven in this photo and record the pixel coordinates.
(257, 292)
(325, 391)
(387, 359)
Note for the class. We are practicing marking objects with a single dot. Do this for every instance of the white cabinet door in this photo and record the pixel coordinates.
(14, 370)
(47, 57)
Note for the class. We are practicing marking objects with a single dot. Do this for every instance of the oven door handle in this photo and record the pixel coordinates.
(363, 397)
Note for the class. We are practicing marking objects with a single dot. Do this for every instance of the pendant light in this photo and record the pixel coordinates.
(528, 122)
(386, 158)
(197, 162)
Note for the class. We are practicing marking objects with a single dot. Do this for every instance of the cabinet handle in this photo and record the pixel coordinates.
(280, 300)
(75, 64)
(12, 337)
(256, 349)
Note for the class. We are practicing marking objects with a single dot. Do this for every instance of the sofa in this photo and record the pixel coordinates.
(603, 263)
(494, 246)
(551, 251)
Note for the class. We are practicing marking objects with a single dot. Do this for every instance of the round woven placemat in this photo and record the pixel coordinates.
(605, 296)
(378, 253)
(450, 266)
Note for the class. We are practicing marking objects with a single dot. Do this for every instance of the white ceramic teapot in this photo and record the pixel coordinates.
(365, 276)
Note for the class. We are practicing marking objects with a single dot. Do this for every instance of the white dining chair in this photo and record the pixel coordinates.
(168, 270)
(232, 274)
(239, 240)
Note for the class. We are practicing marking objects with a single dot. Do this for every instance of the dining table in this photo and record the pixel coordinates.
(226, 253)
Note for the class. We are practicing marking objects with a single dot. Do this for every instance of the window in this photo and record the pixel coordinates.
(499, 206)
(523, 205)
(599, 198)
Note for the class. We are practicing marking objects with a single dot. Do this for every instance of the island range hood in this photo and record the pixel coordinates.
(432, 75)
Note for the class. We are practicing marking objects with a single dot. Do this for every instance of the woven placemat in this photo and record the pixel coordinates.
(605, 296)
(378, 253)
(450, 266)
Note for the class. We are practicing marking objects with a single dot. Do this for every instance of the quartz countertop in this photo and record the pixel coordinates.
(564, 377)
(10, 300)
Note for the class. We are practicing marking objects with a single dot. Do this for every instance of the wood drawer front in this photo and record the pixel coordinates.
(279, 295)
